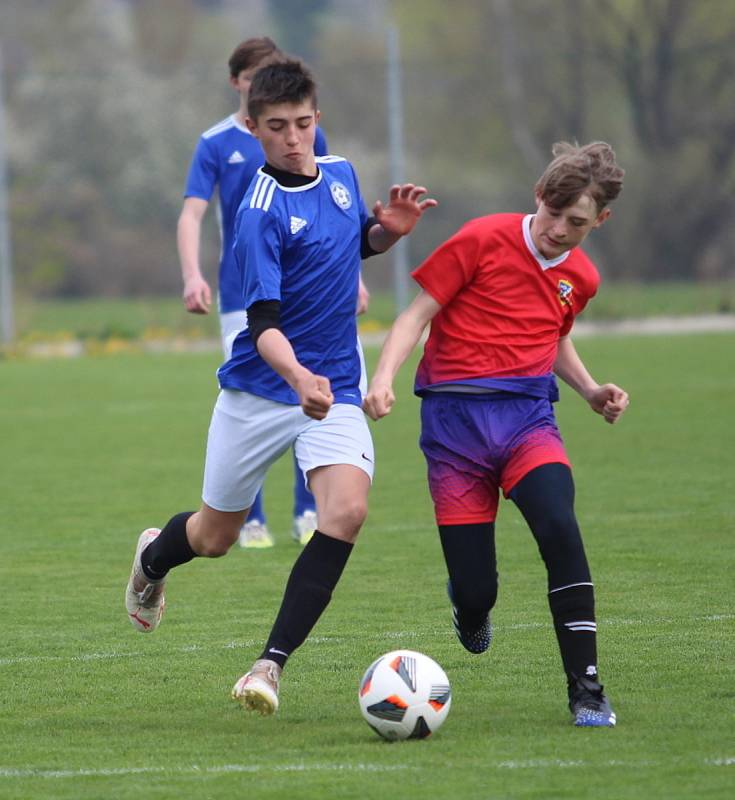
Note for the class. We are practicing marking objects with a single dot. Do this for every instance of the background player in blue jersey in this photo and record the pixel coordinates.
(293, 378)
(226, 158)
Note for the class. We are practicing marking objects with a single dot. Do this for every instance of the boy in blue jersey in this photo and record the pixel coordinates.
(293, 378)
(227, 157)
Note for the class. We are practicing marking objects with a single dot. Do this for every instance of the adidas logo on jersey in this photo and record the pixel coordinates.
(297, 224)
(235, 158)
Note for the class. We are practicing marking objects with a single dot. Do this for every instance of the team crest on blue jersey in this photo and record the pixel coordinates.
(340, 195)
(565, 292)
(297, 224)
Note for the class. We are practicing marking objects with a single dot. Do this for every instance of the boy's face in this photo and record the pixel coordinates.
(554, 231)
(241, 84)
(286, 132)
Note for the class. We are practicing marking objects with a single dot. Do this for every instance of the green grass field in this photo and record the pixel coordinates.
(95, 449)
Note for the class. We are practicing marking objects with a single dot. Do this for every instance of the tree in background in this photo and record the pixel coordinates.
(105, 100)
(650, 76)
(298, 23)
(673, 62)
(100, 138)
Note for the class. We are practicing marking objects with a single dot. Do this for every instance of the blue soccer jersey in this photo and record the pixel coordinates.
(301, 246)
(227, 156)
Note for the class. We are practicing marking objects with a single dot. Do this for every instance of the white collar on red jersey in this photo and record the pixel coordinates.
(544, 263)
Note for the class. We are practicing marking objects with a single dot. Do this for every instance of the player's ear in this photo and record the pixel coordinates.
(317, 116)
(252, 126)
(602, 217)
(538, 200)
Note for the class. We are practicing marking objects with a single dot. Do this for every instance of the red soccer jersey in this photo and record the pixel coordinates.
(504, 307)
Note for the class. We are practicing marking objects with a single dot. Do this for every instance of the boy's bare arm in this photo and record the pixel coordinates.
(314, 391)
(197, 294)
(402, 338)
(606, 399)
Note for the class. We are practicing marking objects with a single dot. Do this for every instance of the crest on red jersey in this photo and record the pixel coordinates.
(565, 292)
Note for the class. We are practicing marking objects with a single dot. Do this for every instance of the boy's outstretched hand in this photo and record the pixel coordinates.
(404, 208)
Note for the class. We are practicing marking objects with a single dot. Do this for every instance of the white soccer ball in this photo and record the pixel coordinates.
(404, 695)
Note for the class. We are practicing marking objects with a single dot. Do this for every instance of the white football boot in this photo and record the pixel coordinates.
(144, 598)
(257, 690)
(255, 535)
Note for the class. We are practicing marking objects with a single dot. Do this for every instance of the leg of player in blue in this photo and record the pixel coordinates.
(304, 507)
(308, 592)
(144, 598)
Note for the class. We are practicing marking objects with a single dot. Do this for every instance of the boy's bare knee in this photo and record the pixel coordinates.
(214, 543)
(211, 533)
(215, 547)
(352, 516)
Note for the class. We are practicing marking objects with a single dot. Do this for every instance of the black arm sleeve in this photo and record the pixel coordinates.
(365, 250)
(263, 315)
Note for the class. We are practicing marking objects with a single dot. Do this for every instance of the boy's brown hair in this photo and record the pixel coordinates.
(580, 169)
(284, 82)
(253, 52)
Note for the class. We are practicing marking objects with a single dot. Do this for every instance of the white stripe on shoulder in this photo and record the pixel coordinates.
(265, 186)
(269, 195)
(254, 203)
(220, 127)
(329, 159)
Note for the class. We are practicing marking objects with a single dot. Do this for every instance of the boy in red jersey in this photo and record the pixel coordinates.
(502, 295)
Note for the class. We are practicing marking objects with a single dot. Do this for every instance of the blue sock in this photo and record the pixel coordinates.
(303, 499)
(257, 512)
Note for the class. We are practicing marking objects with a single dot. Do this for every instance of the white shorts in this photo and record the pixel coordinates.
(248, 433)
(232, 322)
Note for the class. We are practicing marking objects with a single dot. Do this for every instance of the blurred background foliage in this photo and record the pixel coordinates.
(105, 100)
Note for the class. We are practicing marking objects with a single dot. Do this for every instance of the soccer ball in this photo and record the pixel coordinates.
(404, 695)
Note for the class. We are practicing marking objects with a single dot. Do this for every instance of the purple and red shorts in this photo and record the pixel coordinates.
(477, 444)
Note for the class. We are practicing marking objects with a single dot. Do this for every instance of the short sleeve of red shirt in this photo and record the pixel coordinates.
(451, 266)
(580, 299)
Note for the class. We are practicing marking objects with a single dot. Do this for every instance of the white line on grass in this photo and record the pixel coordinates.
(189, 648)
(194, 769)
(559, 763)
(246, 643)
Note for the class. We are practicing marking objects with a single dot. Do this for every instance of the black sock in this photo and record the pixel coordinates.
(573, 610)
(308, 592)
(169, 549)
(469, 552)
